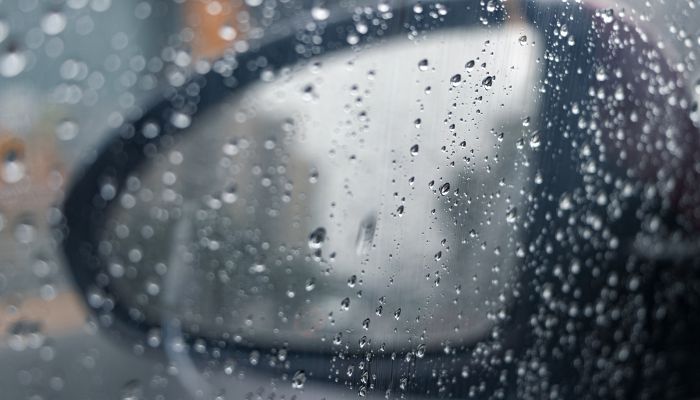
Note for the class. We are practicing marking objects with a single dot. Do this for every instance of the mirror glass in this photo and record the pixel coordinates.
(365, 198)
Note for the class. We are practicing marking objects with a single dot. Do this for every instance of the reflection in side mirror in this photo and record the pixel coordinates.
(342, 203)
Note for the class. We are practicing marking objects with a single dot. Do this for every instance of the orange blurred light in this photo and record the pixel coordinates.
(214, 25)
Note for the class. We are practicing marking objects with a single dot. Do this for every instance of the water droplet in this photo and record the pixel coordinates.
(491, 6)
(299, 379)
(24, 334)
(470, 65)
(420, 351)
(456, 80)
(423, 65)
(600, 74)
(352, 39)
(53, 23)
(13, 168)
(487, 82)
(365, 324)
(365, 235)
(254, 357)
(229, 195)
(565, 203)
(338, 339)
(67, 130)
(362, 392)
(445, 189)
(180, 120)
(397, 313)
(227, 32)
(345, 304)
(310, 284)
(535, 140)
(320, 13)
(608, 15)
(414, 150)
(363, 342)
(512, 215)
(619, 93)
(316, 238)
(522, 40)
(132, 390)
(564, 31)
(12, 63)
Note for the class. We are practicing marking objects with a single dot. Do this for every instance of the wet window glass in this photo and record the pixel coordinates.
(308, 199)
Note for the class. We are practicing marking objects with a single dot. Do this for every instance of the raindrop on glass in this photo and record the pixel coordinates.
(445, 189)
(423, 65)
(299, 379)
(316, 238)
(320, 13)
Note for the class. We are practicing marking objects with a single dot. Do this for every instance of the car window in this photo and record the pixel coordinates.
(308, 199)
